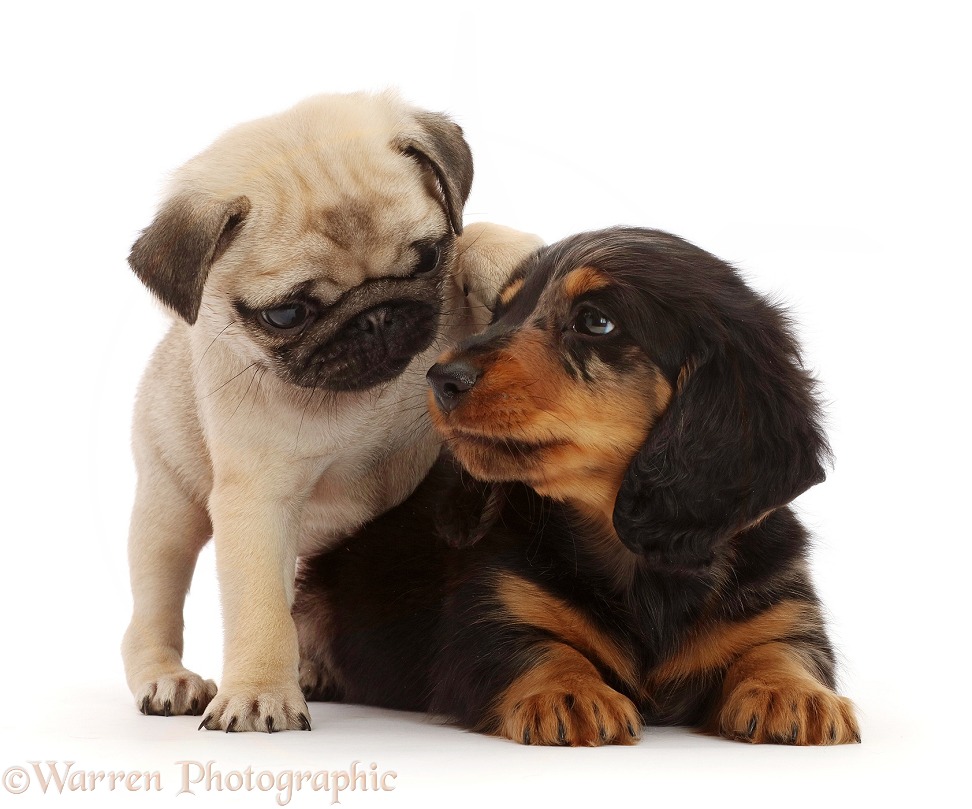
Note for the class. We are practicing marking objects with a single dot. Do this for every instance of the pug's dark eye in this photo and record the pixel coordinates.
(429, 256)
(592, 322)
(291, 316)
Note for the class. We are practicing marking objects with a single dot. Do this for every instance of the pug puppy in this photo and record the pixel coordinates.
(315, 264)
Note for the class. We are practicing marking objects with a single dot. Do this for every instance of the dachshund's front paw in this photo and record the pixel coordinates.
(577, 714)
(761, 712)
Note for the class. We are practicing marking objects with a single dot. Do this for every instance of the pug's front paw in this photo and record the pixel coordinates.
(266, 707)
(487, 255)
(173, 693)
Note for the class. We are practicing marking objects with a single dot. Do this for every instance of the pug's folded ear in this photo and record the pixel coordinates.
(173, 255)
(437, 143)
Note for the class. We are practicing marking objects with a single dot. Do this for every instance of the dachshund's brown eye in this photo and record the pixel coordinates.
(593, 322)
(285, 318)
(428, 260)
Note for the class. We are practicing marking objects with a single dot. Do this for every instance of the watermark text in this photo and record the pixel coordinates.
(195, 777)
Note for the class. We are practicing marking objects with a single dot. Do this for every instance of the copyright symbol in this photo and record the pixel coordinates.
(16, 780)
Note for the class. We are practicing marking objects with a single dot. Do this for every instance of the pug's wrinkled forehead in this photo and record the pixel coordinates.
(334, 192)
(350, 199)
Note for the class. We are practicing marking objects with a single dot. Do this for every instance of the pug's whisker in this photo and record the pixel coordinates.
(416, 420)
(411, 401)
(256, 393)
(463, 250)
(419, 408)
(243, 397)
(303, 413)
(236, 376)
(461, 312)
(220, 334)
(413, 433)
(327, 399)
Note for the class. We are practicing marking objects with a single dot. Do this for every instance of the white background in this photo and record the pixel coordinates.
(823, 148)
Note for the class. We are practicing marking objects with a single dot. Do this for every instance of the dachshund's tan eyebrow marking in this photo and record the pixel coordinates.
(584, 279)
(509, 292)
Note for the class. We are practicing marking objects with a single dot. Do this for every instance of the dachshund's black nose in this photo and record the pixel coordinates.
(450, 380)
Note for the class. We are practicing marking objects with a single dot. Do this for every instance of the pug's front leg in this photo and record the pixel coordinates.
(167, 532)
(255, 561)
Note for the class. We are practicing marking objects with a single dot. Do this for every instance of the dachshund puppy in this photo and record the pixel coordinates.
(641, 421)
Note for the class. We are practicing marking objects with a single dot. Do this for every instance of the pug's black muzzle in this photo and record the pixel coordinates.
(367, 337)
(377, 345)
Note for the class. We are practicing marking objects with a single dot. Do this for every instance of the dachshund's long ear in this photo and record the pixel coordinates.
(437, 143)
(741, 437)
(173, 255)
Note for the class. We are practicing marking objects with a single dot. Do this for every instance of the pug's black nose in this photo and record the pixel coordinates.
(450, 381)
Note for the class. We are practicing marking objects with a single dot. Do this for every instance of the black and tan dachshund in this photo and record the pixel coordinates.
(640, 420)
